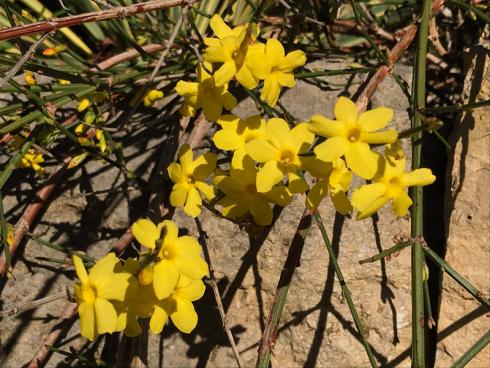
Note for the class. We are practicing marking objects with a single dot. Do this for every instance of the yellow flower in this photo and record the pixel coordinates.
(188, 178)
(178, 306)
(176, 256)
(241, 196)
(389, 184)
(205, 94)
(29, 78)
(83, 104)
(275, 68)
(151, 96)
(94, 292)
(33, 159)
(279, 155)
(350, 135)
(331, 177)
(236, 133)
(232, 48)
(63, 81)
(52, 51)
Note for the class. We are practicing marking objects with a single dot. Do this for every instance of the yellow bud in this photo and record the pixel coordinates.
(29, 78)
(52, 51)
(83, 104)
(64, 81)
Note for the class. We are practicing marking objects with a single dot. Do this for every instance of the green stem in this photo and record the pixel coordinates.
(14, 161)
(418, 331)
(386, 252)
(345, 290)
(456, 276)
(471, 353)
(454, 108)
(3, 225)
(330, 73)
(269, 336)
(471, 8)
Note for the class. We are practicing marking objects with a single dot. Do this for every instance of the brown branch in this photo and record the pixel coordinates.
(128, 55)
(51, 25)
(31, 212)
(395, 54)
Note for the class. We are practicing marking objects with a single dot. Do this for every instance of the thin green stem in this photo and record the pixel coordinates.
(387, 252)
(345, 290)
(269, 336)
(3, 225)
(471, 353)
(454, 108)
(456, 276)
(329, 73)
(472, 8)
(418, 92)
(14, 161)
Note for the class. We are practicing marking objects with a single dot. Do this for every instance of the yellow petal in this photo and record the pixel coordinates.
(292, 60)
(324, 127)
(184, 317)
(341, 202)
(115, 287)
(331, 149)
(105, 316)
(302, 138)
(219, 27)
(192, 290)
(271, 90)
(193, 204)
(80, 269)
(316, 194)
(238, 162)
(228, 122)
(388, 136)
(87, 321)
(245, 77)
(211, 107)
(227, 140)
(178, 195)
(274, 51)
(133, 328)
(268, 176)
(278, 132)
(215, 54)
(261, 212)
(259, 65)
(171, 232)
(361, 160)
(368, 199)
(158, 319)
(193, 267)
(296, 183)
(261, 150)
(225, 73)
(279, 195)
(345, 110)
(186, 88)
(187, 245)
(165, 277)
(206, 190)
(232, 207)
(186, 158)
(145, 232)
(204, 166)
(228, 100)
(375, 119)
(401, 203)
(103, 268)
(418, 177)
(286, 80)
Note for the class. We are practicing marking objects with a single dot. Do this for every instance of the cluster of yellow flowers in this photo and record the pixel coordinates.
(161, 284)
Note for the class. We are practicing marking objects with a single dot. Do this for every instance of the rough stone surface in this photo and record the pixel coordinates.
(463, 321)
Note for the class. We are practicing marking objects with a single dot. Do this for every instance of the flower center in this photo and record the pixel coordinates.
(287, 157)
(354, 134)
(89, 293)
(251, 190)
(395, 186)
(145, 277)
(248, 136)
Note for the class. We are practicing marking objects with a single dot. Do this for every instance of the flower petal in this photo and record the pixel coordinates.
(296, 184)
(258, 64)
(268, 176)
(418, 177)
(189, 289)
(175, 172)
(302, 138)
(225, 73)
(228, 100)
(185, 316)
(116, 286)
(204, 166)
(245, 77)
(375, 119)
(186, 158)
(80, 269)
(345, 110)
(227, 140)
(87, 321)
(145, 232)
(331, 149)
(341, 202)
(165, 277)
(292, 60)
(361, 160)
(187, 245)
(369, 198)
(105, 316)
(274, 51)
(184, 88)
(316, 194)
(193, 267)
(103, 268)
(271, 90)
(324, 127)
(387, 136)
(193, 204)
(261, 212)
(178, 195)
(219, 27)
(158, 319)
(279, 195)
(206, 190)
(286, 80)
(278, 132)
(232, 207)
(212, 107)
(401, 203)
(261, 150)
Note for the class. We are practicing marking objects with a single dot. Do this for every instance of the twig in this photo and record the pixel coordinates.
(68, 313)
(453, 108)
(217, 296)
(22, 60)
(31, 212)
(297, 12)
(269, 336)
(33, 304)
(51, 25)
(386, 252)
(128, 55)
